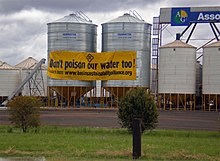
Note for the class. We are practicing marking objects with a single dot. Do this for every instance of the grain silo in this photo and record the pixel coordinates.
(9, 78)
(177, 76)
(128, 32)
(198, 84)
(211, 76)
(74, 32)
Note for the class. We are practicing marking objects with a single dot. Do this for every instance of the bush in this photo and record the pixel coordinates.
(138, 103)
(24, 112)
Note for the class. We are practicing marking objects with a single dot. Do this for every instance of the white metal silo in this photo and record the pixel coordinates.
(128, 32)
(74, 32)
(177, 75)
(211, 76)
(9, 80)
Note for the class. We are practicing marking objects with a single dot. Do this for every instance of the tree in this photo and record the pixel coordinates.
(24, 112)
(138, 103)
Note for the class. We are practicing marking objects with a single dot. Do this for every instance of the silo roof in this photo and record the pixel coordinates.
(29, 63)
(73, 18)
(126, 18)
(214, 44)
(177, 44)
(4, 65)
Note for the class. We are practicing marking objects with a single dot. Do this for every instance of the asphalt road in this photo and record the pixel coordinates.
(184, 120)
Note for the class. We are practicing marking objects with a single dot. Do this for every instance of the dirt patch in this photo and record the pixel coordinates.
(127, 153)
(185, 156)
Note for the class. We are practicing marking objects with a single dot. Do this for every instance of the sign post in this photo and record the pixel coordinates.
(136, 138)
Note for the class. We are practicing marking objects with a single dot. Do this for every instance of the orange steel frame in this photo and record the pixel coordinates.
(174, 101)
(211, 102)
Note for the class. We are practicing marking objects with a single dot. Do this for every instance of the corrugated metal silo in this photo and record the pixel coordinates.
(128, 32)
(211, 76)
(74, 32)
(177, 75)
(8, 80)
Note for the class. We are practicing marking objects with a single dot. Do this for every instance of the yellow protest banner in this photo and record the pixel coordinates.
(69, 65)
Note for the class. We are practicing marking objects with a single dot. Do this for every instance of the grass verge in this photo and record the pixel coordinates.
(70, 143)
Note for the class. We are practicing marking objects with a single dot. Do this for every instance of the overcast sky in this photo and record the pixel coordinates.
(23, 29)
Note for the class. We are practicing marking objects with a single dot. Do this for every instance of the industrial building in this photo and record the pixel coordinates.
(76, 32)
(186, 81)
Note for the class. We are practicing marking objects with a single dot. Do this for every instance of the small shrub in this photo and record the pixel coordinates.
(24, 112)
(138, 103)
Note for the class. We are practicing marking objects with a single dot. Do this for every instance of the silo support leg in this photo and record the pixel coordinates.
(68, 97)
(102, 97)
(74, 98)
(170, 101)
(164, 104)
(203, 102)
(106, 98)
(181, 100)
(111, 96)
(52, 100)
(190, 102)
(178, 101)
(61, 97)
(80, 95)
(56, 101)
(48, 96)
(85, 98)
(209, 103)
(93, 97)
(194, 102)
(117, 98)
(184, 102)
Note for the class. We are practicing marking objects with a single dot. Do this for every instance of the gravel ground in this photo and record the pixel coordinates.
(182, 120)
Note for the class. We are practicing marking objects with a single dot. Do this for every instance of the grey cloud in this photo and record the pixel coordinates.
(22, 35)
(9, 6)
(196, 3)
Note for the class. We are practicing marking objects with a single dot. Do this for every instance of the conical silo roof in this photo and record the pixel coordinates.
(29, 63)
(126, 18)
(177, 44)
(73, 18)
(214, 44)
(4, 65)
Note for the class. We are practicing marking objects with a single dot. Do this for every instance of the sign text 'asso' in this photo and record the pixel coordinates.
(69, 65)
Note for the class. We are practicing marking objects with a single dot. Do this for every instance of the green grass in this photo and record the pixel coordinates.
(60, 143)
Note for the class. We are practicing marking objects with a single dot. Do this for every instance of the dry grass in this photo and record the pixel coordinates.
(183, 155)
(13, 151)
(110, 153)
